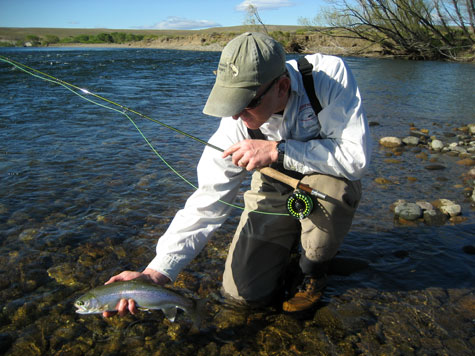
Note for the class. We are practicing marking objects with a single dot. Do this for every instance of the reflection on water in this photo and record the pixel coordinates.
(83, 197)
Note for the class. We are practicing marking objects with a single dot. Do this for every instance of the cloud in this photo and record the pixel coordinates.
(264, 4)
(180, 23)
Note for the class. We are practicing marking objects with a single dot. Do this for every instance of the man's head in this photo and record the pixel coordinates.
(250, 66)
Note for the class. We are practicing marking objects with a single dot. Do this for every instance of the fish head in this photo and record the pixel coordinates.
(87, 304)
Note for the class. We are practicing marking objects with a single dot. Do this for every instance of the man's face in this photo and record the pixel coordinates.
(269, 104)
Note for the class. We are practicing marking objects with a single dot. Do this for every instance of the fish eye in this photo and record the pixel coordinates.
(80, 303)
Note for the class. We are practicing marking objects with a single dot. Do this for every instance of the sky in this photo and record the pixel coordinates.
(150, 14)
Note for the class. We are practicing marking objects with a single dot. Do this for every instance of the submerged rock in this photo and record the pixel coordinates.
(408, 211)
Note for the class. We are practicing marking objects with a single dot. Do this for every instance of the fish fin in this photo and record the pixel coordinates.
(170, 313)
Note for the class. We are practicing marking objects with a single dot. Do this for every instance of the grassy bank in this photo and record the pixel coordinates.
(294, 39)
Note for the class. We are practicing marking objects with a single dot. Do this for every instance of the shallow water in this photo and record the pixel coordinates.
(83, 197)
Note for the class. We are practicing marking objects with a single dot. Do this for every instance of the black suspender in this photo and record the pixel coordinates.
(305, 69)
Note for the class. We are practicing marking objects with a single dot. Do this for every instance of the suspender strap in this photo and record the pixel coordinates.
(305, 69)
(256, 134)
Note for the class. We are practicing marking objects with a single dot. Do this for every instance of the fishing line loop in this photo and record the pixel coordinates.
(124, 111)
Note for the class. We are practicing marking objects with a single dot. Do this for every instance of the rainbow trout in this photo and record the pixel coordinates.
(146, 295)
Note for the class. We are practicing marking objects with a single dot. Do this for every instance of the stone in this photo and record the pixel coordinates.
(390, 142)
(411, 140)
(466, 162)
(434, 217)
(425, 205)
(436, 145)
(434, 167)
(408, 211)
(451, 210)
(383, 181)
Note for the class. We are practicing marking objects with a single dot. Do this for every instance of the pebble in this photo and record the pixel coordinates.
(437, 145)
(411, 140)
(434, 214)
(390, 142)
(408, 211)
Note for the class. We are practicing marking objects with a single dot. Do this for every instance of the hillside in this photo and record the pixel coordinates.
(294, 39)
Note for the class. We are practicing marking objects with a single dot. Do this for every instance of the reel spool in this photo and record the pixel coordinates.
(299, 205)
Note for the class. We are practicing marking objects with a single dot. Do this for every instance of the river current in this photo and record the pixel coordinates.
(82, 190)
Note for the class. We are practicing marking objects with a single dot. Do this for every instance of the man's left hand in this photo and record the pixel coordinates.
(252, 154)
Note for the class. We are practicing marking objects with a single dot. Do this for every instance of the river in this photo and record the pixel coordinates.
(84, 197)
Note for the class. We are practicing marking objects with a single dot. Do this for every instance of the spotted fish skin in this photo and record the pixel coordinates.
(146, 296)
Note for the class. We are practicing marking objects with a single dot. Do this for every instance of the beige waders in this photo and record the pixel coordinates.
(261, 247)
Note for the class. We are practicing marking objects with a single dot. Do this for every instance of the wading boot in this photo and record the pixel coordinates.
(307, 296)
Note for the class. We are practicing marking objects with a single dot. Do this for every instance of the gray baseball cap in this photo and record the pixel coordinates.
(247, 62)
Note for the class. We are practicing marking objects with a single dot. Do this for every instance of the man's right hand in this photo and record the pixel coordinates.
(124, 306)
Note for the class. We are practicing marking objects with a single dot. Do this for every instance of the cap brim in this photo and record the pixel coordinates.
(227, 101)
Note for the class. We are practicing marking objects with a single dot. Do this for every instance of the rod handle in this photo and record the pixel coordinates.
(281, 177)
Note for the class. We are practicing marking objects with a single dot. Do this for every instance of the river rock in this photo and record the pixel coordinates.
(471, 128)
(448, 207)
(436, 145)
(451, 210)
(425, 205)
(434, 217)
(411, 140)
(466, 162)
(434, 167)
(408, 211)
(390, 142)
(424, 134)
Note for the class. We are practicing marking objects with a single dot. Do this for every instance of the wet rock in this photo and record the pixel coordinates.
(451, 210)
(448, 207)
(390, 142)
(383, 181)
(436, 145)
(65, 274)
(466, 162)
(425, 205)
(434, 167)
(28, 235)
(408, 211)
(423, 134)
(434, 217)
(411, 140)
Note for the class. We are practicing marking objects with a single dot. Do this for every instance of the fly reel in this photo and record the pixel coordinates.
(299, 205)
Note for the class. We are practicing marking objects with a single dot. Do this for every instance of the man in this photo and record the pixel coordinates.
(256, 89)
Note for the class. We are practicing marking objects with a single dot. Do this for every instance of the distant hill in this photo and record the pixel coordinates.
(19, 33)
(295, 39)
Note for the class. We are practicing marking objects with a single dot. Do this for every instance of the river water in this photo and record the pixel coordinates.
(83, 197)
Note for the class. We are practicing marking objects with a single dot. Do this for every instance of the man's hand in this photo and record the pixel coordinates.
(252, 154)
(124, 306)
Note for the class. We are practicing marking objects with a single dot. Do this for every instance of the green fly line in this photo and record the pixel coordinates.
(123, 110)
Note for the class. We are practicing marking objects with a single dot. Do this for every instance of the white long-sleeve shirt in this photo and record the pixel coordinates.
(342, 149)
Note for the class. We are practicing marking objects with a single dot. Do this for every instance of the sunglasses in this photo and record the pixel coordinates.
(254, 103)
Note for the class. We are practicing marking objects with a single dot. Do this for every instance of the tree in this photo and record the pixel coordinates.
(420, 29)
(253, 18)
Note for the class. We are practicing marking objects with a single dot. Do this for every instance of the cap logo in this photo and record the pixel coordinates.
(234, 69)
